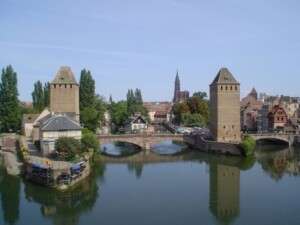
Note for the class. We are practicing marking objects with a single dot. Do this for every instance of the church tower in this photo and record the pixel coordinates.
(177, 88)
(225, 123)
(64, 93)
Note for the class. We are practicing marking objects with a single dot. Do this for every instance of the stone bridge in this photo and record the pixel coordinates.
(145, 141)
(289, 139)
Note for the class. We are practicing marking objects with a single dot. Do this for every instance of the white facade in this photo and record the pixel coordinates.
(48, 139)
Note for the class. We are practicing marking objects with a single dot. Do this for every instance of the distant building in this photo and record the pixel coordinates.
(225, 124)
(262, 119)
(159, 112)
(278, 118)
(136, 124)
(250, 106)
(179, 96)
(64, 93)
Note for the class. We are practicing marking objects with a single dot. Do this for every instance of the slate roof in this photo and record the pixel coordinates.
(224, 77)
(64, 76)
(60, 123)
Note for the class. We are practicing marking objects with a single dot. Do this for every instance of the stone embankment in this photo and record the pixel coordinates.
(197, 141)
(8, 154)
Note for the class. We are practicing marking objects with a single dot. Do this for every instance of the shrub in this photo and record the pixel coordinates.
(248, 145)
(67, 148)
(89, 141)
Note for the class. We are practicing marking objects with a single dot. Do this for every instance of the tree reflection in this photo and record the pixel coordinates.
(66, 207)
(280, 163)
(137, 168)
(10, 197)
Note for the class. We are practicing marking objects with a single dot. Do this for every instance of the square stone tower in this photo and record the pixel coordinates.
(64, 93)
(225, 123)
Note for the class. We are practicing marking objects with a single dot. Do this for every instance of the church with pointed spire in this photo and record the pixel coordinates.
(179, 96)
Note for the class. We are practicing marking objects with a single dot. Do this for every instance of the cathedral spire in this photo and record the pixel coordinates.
(177, 87)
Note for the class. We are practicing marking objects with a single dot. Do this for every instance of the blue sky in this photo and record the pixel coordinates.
(141, 43)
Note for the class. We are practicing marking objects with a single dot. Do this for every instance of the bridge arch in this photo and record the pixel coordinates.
(284, 139)
(145, 142)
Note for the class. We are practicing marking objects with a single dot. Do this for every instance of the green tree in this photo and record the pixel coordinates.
(192, 120)
(89, 141)
(40, 96)
(87, 89)
(119, 113)
(248, 145)
(67, 148)
(90, 118)
(200, 94)
(10, 110)
(38, 99)
(46, 94)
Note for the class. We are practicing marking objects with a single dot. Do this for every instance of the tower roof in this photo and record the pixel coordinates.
(64, 76)
(253, 91)
(224, 77)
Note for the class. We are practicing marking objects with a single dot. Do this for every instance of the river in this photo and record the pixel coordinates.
(178, 188)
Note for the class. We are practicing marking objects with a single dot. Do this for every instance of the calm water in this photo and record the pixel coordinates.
(188, 188)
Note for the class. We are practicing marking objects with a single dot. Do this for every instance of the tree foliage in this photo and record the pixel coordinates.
(89, 141)
(135, 102)
(192, 112)
(248, 145)
(10, 110)
(87, 89)
(40, 96)
(92, 106)
(67, 148)
(119, 113)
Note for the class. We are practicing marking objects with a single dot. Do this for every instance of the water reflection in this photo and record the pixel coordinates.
(119, 149)
(279, 163)
(224, 192)
(10, 197)
(168, 147)
(223, 205)
(65, 208)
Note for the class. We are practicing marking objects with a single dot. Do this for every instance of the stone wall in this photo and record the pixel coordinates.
(64, 98)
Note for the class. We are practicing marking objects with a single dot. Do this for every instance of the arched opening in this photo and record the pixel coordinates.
(271, 142)
(169, 147)
(119, 149)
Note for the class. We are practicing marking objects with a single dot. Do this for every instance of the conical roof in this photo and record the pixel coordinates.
(253, 91)
(224, 77)
(64, 76)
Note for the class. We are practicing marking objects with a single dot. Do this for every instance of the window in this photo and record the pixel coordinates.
(54, 85)
(65, 86)
(221, 88)
(236, 88)
(70, 85)
(226, 88)
(231, 88)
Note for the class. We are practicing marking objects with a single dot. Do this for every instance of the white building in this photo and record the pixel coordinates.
(55, 127)
(135, 124)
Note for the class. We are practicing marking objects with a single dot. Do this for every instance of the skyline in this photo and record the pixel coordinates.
(141, 45)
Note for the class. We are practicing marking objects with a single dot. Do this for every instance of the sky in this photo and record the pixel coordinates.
(141, 43)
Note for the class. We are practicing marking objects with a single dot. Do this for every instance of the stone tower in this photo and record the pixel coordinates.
(64, 93)
(177, 88)
(225, 123)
